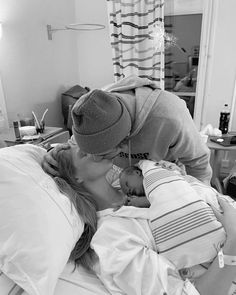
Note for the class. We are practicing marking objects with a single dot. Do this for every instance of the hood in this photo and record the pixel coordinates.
(139, 95)
(130, 82)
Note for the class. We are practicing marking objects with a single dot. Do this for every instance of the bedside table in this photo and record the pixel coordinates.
(50, 135)
(217, 152)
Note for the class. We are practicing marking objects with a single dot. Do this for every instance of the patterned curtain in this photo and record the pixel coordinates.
(137, 38)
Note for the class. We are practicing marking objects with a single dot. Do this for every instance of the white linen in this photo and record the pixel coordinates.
(128, 262)
(8, 287)
(77, 282)
(184, 226)
(80, 281)
(38, 225)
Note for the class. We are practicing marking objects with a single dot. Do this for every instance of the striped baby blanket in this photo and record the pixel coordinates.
(184, 226)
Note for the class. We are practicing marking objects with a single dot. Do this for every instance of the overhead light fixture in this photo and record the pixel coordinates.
(75, 27)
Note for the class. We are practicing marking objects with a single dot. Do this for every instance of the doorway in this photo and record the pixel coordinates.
(208, 11)
(182, 58)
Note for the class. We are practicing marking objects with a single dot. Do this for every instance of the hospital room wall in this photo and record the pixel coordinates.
(94, 49)
(220, 85)
(33, 70)
(95, 67)
(221, 73)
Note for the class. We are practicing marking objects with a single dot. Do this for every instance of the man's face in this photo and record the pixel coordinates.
(110, 154)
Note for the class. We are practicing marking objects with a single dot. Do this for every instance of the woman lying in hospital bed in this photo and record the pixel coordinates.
(38, 230)
(125, 257)
(39, 227)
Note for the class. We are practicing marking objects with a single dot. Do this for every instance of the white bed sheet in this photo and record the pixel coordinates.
(79, 282)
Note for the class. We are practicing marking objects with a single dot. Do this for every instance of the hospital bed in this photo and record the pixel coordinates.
(38, 230)
(69, 283)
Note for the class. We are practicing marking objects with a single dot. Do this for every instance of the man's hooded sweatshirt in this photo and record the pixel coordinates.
(162, 127)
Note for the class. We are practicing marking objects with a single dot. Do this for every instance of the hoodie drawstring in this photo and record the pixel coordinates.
(129, 147)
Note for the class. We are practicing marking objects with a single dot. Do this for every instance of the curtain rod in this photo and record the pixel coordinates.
(75, 27)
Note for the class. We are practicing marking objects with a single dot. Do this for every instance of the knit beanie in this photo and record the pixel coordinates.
(100, 121)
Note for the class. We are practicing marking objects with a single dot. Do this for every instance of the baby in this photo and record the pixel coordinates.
(131, 183)
(183, 224)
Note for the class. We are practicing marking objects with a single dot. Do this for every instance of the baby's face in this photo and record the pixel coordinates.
(132, 184)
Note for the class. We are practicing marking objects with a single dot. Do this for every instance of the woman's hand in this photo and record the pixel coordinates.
(228, 218)
(216, 280)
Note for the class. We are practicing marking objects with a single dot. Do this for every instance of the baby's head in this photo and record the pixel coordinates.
(131, 181)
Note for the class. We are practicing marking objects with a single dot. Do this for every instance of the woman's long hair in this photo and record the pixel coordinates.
(82, 254)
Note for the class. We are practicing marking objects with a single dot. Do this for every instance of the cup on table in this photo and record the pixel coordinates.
(27, 130)
(41, 127)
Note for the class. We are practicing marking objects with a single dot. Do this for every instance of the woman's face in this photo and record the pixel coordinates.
(87, 168)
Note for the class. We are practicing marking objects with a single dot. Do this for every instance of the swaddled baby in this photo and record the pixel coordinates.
(183, 224)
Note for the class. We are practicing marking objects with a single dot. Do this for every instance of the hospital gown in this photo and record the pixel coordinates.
(127, 259)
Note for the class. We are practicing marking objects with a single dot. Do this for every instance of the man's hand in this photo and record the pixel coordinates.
(172, 166)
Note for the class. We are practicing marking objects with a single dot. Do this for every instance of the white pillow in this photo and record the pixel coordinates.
(38, 225)
(8, 287)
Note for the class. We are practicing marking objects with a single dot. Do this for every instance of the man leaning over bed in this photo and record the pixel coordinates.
(133, 119)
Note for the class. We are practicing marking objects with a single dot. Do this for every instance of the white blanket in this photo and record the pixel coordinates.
(128, 261)
(184, 226)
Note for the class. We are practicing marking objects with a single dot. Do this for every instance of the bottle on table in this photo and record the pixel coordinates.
(2, 121)
(17, 130)
(224, 119)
